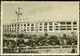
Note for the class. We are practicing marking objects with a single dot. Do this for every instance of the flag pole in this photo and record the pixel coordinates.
(18, 14)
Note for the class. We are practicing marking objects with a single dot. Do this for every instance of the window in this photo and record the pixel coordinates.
(57, 26)
(45, 29)
(50, 26)
(18, 25)
(74, 23)
(68, 28)
(36, 29)
(50, 23)
(40, 23)
(68, 22)
(62, 22)
(62, 27)
(45, 23)
(36, 24)
(15, 25)
(74, 28)
(10, 25)
(27, 29)
(7, 25)
(28, 24)
(45, 26)
(32, 29)
(56, 29)
(24, 29)
(21, 25)
(40, 29)
(24, 24)
(32, 24)
(50, 29)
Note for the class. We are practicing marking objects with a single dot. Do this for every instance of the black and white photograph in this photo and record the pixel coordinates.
(39, 28)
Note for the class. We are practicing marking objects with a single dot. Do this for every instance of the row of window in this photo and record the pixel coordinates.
(40, 29)
(34, 27)
(43, 26)
(68, 23)
(50, 23)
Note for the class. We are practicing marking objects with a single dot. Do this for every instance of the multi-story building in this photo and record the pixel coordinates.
(40, 27)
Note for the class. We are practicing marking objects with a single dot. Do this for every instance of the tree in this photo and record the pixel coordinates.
(20, 35)
(64, 35)
(74, 37)
(20, 41)
(46, 34)
(53, 40)
(31, 43)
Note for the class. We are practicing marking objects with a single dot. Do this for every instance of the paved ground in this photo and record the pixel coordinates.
(58, 50)
(50, 50)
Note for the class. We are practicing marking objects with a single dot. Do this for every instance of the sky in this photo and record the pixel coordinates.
(43, 11)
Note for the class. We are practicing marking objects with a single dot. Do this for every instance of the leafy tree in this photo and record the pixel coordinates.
(64, 35)
(46, 34)
(53, 40)
(20, 41)
(31, 43)
(20, 35)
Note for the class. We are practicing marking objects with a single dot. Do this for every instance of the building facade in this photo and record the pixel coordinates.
(41, 27)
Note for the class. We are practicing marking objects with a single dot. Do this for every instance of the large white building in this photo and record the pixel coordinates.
(39, 27)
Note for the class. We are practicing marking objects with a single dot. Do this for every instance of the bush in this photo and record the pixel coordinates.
(20, 35)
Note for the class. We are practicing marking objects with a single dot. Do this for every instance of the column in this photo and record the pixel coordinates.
(71, 26)
(26, 27)
(30, 27)
(47, 26)
(53, 26)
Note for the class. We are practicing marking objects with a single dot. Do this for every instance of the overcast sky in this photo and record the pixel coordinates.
(41, 11)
